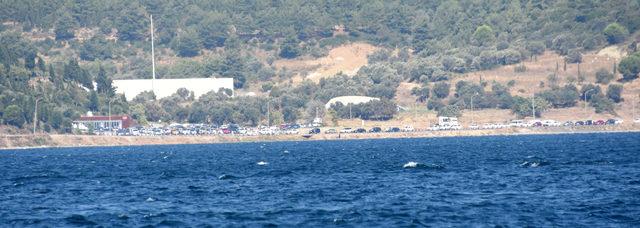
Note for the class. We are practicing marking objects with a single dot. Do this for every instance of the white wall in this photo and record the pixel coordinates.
(166, 87)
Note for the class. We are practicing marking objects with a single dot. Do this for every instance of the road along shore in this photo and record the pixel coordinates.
(54, 140)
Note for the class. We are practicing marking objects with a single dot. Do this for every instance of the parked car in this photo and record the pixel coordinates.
(550, 123)
(599, 122)
(408, 128)
(568, 124)
(474, 127)
(375, 130)
(361, 130)
(588, 122)
(637, 120)
(331, 131)
(393, 129)
(314, 131)
(346, 130)
(579, 123)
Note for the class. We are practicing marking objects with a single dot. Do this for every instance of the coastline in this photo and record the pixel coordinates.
(12, 142)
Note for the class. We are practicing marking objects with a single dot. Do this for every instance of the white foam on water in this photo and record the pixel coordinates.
(262, 163)
(150, 199)
(411, 164)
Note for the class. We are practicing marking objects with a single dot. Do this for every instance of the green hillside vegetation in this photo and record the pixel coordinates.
(53, 51)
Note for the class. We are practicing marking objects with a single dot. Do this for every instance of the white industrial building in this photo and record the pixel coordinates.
(345, 100)
(166, 87)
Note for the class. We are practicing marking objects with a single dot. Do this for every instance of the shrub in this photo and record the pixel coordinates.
(614, 92)
(629, 66)
(615, 33)
(520, 68)
(12, 115)
(434, 104)
(602, 104)
(449, 110)
(441, 89)
(603, 76)
(574, 56)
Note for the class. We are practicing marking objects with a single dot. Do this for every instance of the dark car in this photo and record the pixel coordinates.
(537, 124)
(611, 122)
(314, 131)
(375, 130)
(579, 123)
(599, 122)
(588, 122)
(393, 129)
(361, 130)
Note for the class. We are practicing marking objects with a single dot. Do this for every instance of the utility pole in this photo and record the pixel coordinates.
(110, 124)
(268, 113)
(153, 59)
(35, 115)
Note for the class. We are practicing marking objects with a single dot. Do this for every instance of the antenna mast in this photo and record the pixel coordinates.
(153, 58)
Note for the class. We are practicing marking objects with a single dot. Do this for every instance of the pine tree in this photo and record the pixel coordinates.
(94, 102)
(104, 83)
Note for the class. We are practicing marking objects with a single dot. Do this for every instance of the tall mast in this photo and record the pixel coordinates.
(153, 59)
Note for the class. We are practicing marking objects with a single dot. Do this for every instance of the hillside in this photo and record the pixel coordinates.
(289, 58)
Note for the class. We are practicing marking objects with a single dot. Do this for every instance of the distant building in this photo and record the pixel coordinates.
(345, 100)
(166, 87)
(97, 122)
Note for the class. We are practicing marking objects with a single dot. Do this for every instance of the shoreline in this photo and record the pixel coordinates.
(18, 142)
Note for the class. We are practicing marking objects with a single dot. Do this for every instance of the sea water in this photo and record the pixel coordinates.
(548, 180)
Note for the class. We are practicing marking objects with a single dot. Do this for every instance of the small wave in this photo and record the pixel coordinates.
(417, 165)
(226, 177)
(150, 199)
(533, 162)
(411, 165)
(262, 163)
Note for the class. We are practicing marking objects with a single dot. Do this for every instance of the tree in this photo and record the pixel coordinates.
(187, 44)
(574, 56)
(64, 27)
(484, 35)
(603, 76)
(12, 115)
(96, 48)
(590, 91)
(614, 92)
(93, 103)
(629, 67)
(449, 110)
(421, 92)
(602, 104)
(441, 89)
(104, 83)
(132, 24)
(615, 33)
(523, 107)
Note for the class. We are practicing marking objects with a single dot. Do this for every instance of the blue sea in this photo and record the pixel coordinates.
(579, 180)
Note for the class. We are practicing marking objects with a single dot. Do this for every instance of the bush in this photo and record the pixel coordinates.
(449, 110)
(523, 107)
(614, 92)
(441, 89)
(574, 56)
(615, 33)
(629, 66)
(602, 104)
(434, 104)
(12, 115)
(603, 76)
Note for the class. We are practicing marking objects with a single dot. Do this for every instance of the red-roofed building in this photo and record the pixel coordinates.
(96, 122)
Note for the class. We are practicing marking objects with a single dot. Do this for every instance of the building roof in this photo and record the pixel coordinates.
(103, 118)
(349, 100)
